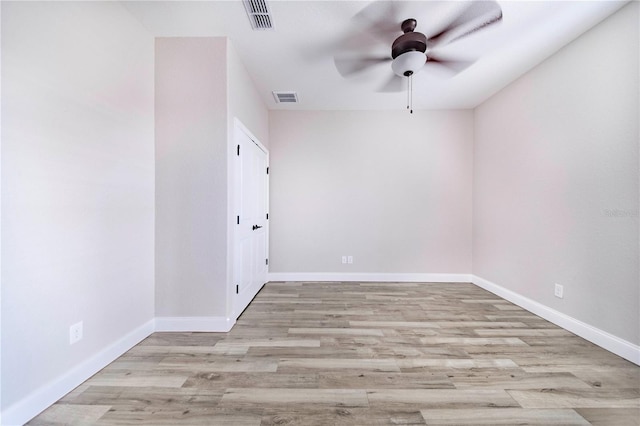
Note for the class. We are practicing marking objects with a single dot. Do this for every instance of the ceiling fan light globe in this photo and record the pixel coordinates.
(408, 63)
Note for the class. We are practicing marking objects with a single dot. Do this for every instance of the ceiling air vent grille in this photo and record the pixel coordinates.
(259, 14)
(286, 97)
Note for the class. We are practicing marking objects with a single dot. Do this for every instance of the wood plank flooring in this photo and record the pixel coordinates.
(363, 354)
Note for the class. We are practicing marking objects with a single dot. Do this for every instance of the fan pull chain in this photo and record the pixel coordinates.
(408, 91)
(410, 94)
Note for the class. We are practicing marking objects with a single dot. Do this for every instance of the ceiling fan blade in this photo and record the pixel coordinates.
(349, 65)
(394, 84)
(453, 65)
(381, 19)
(478, 15)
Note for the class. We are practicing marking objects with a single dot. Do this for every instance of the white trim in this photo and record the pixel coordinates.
(33, 404)
(187, 324)
(618, 346)
(370, 277)
(605, 340)
(237, 303)
(245, 298)
(254, 139)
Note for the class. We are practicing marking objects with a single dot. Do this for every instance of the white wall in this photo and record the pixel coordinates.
(77, 186)
(556, 181)
(244, 104)
(201, 85)
(191, 176)
(389, 188)
(556, 184)
(0, 215)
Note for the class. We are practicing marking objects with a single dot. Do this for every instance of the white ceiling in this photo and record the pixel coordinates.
(298, 55)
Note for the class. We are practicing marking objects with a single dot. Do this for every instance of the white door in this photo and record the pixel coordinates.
(251, 241)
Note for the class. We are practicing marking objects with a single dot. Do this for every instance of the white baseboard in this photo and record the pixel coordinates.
(29, 407)
(618, 346)
(369, 277)
(608, 341)
(196, 324)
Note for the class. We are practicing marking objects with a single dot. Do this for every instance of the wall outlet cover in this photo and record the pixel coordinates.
(75, 333)
(559, 291)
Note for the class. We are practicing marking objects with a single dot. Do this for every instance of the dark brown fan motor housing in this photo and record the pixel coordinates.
(410, 40)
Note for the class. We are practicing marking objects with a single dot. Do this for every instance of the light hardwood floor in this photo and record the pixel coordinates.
(363, 354)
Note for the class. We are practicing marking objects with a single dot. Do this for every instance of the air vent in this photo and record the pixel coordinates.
(286, 97)
(259, 14)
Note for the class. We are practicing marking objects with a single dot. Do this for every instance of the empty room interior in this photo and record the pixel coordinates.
(320, 212)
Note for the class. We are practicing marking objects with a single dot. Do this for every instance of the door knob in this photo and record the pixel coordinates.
(256, 227)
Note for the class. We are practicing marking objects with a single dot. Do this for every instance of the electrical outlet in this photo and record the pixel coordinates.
(344, 259)
(349, 259)
(559, 291)
(75, 333)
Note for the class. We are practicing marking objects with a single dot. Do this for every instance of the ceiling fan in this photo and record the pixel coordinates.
(412, 50)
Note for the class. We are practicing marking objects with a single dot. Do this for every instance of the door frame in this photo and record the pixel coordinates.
(233, 202)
